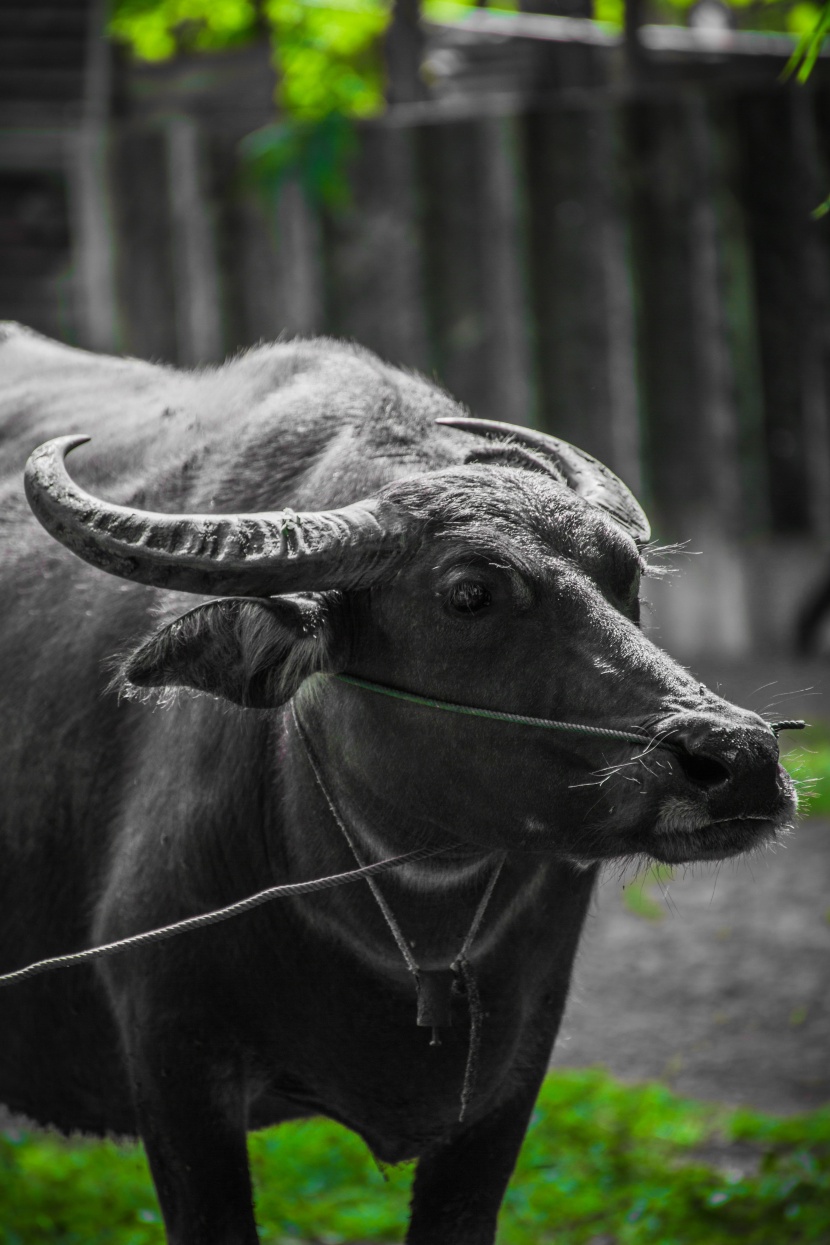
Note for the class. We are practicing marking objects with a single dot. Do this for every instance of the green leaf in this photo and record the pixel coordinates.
(809, 46)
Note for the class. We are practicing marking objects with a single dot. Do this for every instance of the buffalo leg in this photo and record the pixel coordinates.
(459, 1186)
(196, 1145)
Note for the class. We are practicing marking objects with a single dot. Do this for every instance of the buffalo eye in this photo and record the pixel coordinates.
(467, 597)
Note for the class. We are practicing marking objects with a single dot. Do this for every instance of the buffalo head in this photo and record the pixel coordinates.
(508, 582)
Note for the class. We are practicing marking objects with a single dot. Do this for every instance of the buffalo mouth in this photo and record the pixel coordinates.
(685, 825)
(717, 840)
(696, 829)
(722, 804)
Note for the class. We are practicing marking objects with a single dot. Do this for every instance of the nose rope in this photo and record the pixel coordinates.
(636, 735)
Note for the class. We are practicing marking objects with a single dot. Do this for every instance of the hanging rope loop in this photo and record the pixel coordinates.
(433, 987)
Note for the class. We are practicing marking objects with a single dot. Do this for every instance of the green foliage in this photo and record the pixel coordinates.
(611, 12)
(457, 10)
(604, 1158)
(327, 55)
(803, 17)
(807, 758)
(643, 902)
(75, 1193)
(601, 1159)
(766, 15)
(316, 153)
(155, 30)
(327, 52)
(814, 26)
(329, 66)
(315, 1180)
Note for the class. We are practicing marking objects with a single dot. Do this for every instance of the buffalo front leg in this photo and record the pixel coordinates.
(460, 1185)
(194, 1131)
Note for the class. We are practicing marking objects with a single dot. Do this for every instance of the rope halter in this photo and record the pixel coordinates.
(635, 734)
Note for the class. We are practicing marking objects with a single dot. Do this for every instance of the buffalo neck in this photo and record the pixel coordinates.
(434, 901)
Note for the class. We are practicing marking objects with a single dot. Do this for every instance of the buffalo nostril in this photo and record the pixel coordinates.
(702, 769)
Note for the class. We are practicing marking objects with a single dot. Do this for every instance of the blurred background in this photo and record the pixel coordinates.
(608, 229)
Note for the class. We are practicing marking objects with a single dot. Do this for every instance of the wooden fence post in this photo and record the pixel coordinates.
(504, 278)
(271, 257)
(195, 263)
(372, 254)
(813, 185)
(692, 423)
(300, 288)
(403, 50)
(779, 186)
(473, 240)
(141, 209)
(581, 285)
(89, 198)
(688, 392)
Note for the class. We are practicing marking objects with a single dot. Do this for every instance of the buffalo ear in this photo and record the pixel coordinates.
(253, 652)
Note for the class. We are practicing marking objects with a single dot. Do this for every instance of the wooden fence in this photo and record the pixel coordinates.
(630, 263)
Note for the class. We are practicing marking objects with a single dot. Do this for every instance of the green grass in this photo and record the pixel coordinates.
(601, 1160)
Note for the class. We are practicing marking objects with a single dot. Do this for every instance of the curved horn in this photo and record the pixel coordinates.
(213, 554)
(586, 475)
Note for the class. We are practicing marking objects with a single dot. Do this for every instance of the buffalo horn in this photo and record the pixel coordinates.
(214, 554)
(588, 477)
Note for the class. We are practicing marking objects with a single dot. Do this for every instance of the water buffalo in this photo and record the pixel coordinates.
(334, 515)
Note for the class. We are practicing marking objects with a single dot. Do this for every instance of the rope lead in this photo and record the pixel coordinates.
(213, 918)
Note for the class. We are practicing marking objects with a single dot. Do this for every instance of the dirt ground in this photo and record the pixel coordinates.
(727, 995)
